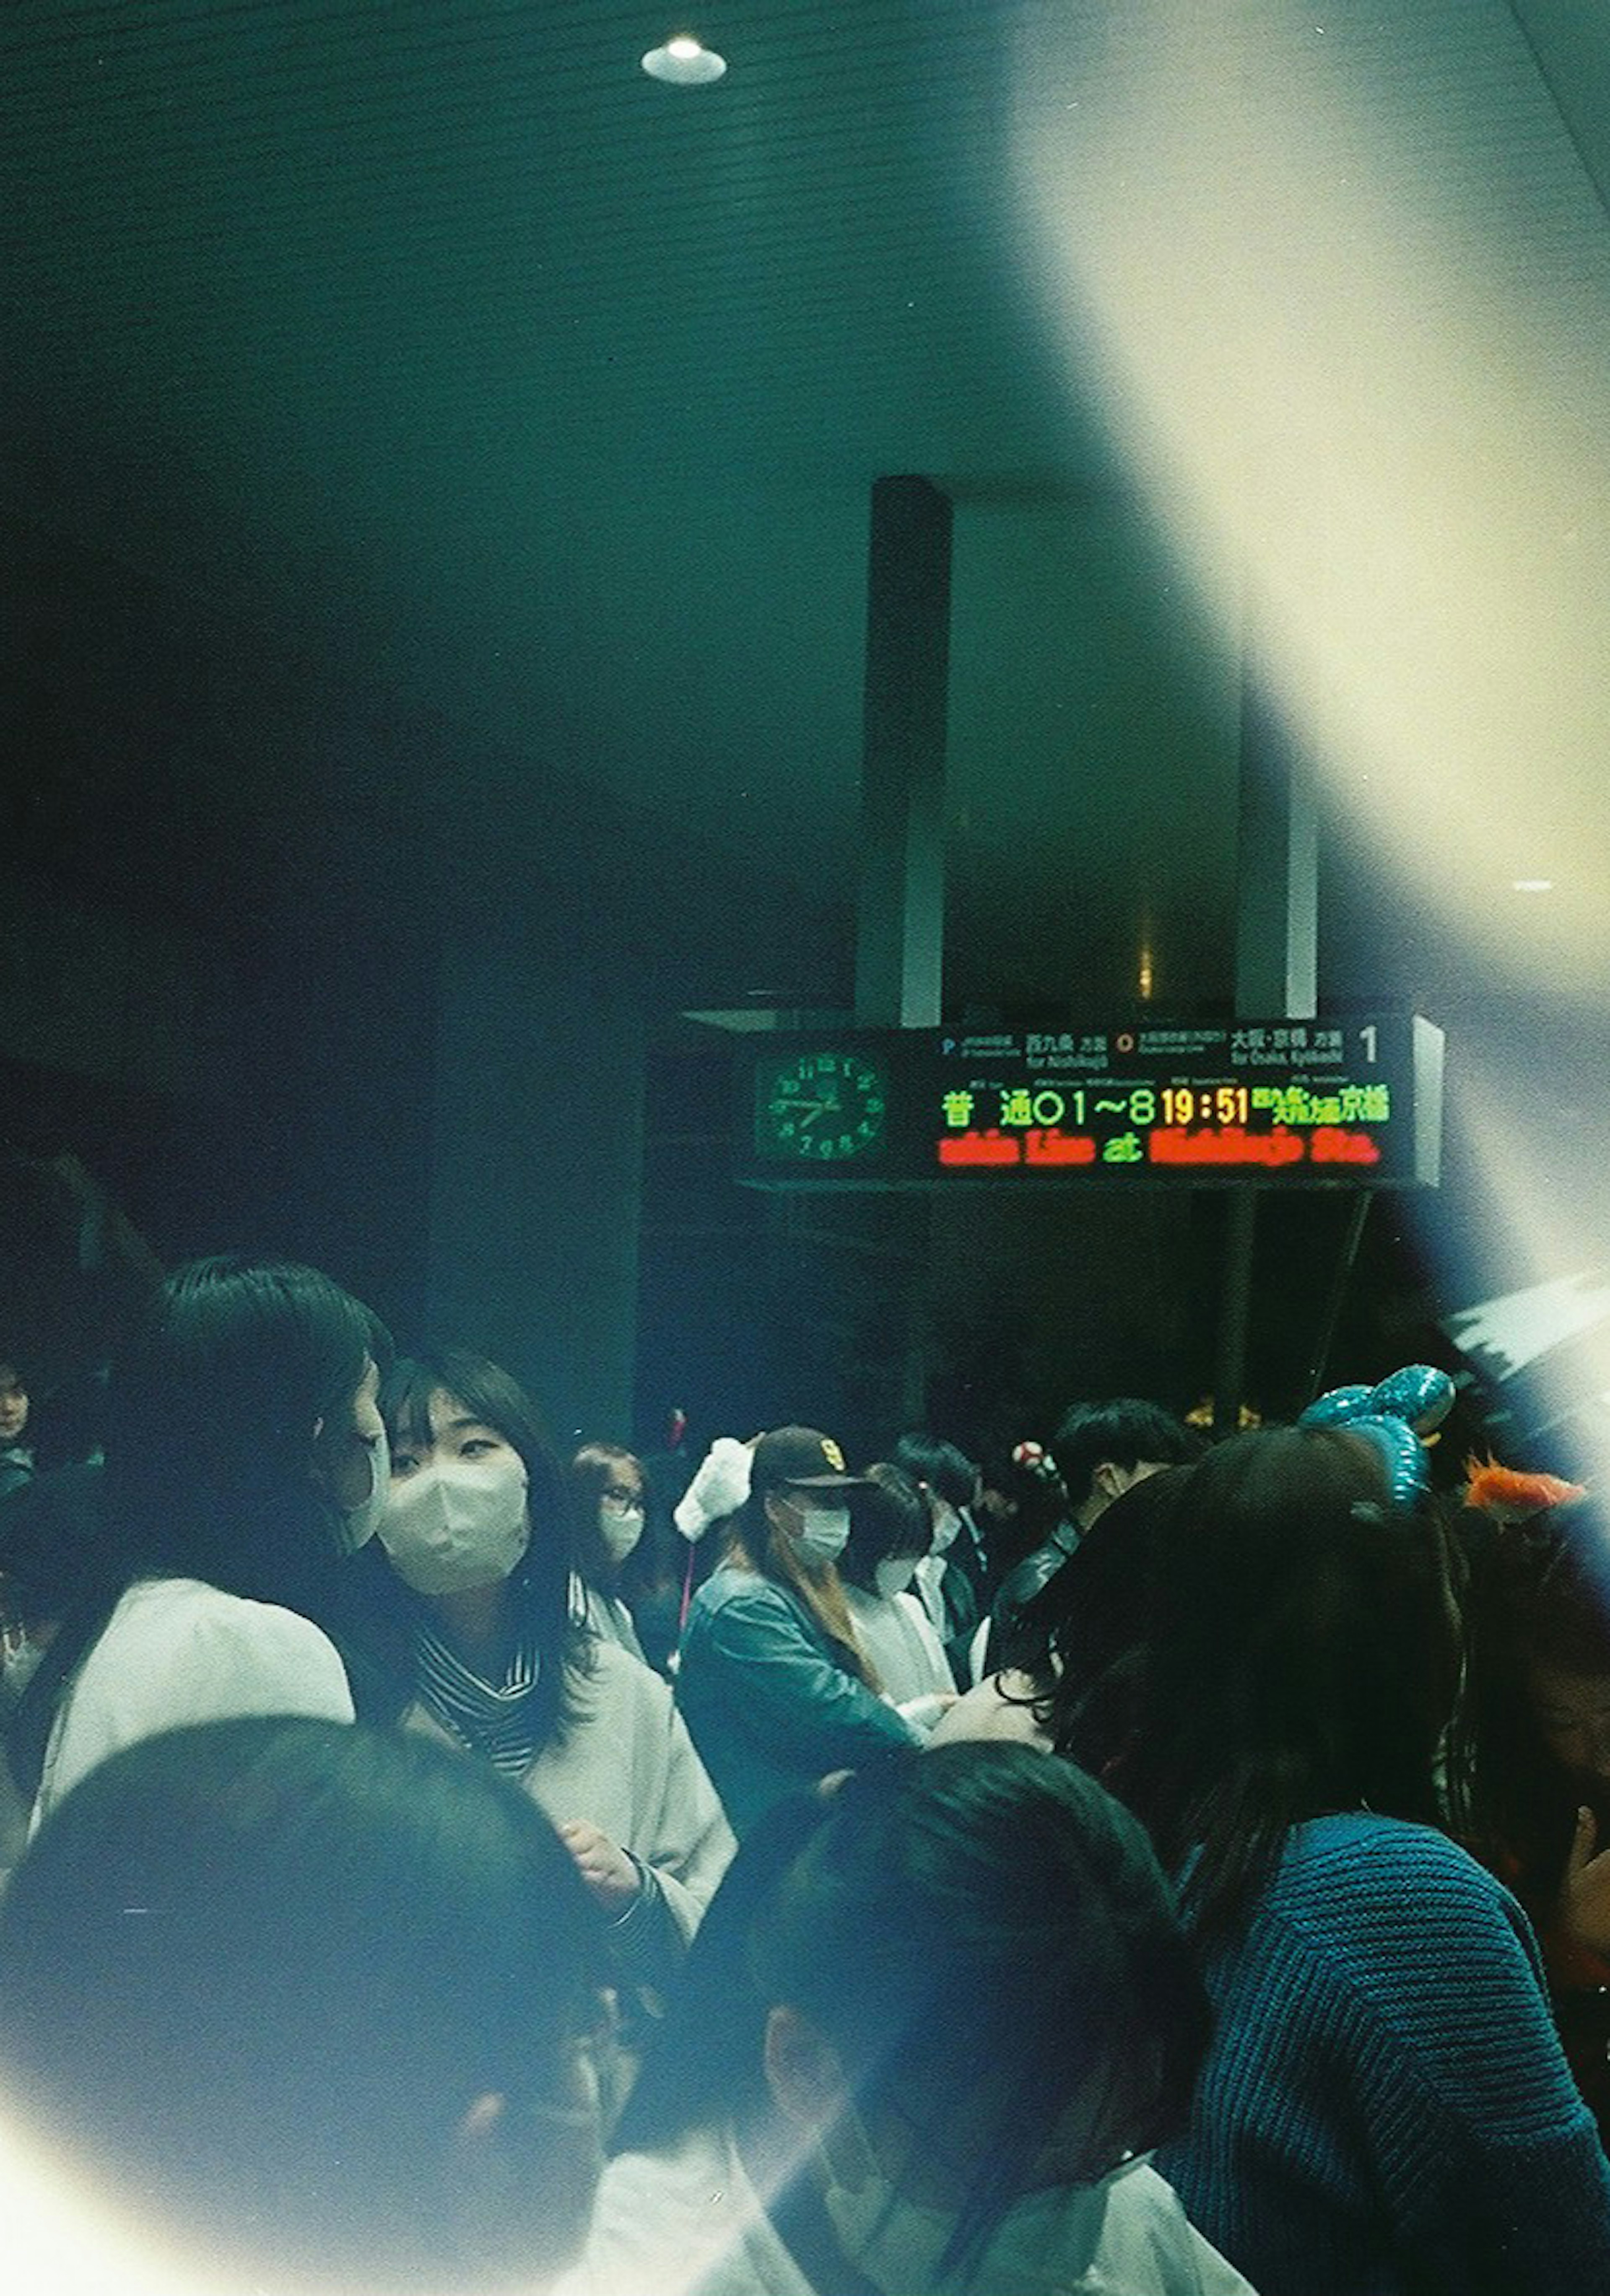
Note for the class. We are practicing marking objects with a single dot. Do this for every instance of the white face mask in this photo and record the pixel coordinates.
(619, 1527)
(894, 1574)
(947, 1522)
(357, 1526)
(896, 2242)
(823, 1534)
(458, 1525)
(820, 1534)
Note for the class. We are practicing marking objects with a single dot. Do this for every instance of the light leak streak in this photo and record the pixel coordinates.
(1315, 330)
(1341, 296)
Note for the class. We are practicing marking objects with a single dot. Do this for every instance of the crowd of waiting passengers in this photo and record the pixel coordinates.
(1161, 1868)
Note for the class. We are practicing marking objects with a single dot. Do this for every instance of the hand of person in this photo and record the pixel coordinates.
(1583, 1911)
(603, 1864)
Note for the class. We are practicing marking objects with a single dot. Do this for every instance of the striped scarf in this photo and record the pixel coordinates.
(493, 1719)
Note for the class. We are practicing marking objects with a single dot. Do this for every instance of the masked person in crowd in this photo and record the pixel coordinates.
(954, 1578)
(245, 1462)
(776, 1689)
(608, 1510)
(486, 1651)
(292, 2004)
(1384, 2104)
(937, 2016)
(889, 1527)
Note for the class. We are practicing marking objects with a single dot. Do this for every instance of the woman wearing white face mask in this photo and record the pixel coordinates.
(608, 1508)
(486, 1652)
(776, 1689)
(934, 2023)
(889, 1535)
(952, 1577)
(245, 1460)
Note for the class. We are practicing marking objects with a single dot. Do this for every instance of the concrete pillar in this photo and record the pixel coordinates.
(535, 1176)
(1276, 958)
(900, 906)
(900, 893)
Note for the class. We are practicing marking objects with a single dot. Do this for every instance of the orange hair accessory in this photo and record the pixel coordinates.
(1506, 1492)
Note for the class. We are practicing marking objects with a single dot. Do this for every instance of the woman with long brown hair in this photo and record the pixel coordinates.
(775, 1687)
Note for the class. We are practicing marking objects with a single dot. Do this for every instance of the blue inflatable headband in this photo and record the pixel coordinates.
(1395, 1416)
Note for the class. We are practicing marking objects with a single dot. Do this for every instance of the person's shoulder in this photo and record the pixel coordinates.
(873, 1613)
(686, 2218)
(1037, 1569)
(1358, 1854)
(1129, 2231)
(244, 1614)
(181, 1632)
(174, 1608)
(177, 1651)
(999, 1706)
(731, 1591)
(1387, 1901)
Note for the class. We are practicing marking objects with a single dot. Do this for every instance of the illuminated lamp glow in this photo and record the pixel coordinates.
(684, 63)
(1532, 884)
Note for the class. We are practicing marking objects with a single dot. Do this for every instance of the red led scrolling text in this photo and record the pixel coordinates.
(1166, 1145)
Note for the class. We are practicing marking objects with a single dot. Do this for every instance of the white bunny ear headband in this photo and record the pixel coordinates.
(719, 1487)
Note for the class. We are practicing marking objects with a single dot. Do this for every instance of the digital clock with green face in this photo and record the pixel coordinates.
(826, 1107)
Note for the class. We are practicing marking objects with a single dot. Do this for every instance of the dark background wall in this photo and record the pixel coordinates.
(432, 1047)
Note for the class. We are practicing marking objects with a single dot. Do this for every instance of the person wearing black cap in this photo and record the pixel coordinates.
(775, 1688)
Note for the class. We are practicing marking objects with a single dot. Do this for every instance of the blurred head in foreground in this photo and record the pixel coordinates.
(311, 2005)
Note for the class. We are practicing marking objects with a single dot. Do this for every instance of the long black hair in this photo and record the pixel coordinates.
(1301, 1659)
(982, 1906)
(540, 1583)
(229, 1370)
(213, 1413)
(1079, 1641)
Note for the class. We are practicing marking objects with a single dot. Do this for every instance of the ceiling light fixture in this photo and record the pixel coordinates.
(1532, 884)
(684, 63)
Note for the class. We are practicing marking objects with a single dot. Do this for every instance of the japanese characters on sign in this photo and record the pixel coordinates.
(1314, 1103)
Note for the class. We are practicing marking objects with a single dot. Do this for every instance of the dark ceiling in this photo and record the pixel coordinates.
(532, 406)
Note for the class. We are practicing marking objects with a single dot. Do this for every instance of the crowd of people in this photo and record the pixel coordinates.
(1140, 1865)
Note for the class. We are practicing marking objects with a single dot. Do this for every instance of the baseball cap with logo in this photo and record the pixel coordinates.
(798, 1455)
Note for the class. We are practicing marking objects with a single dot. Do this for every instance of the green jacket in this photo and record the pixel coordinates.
(766, 1702)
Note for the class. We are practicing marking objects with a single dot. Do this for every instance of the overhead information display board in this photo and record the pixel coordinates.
(1309, 1104)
